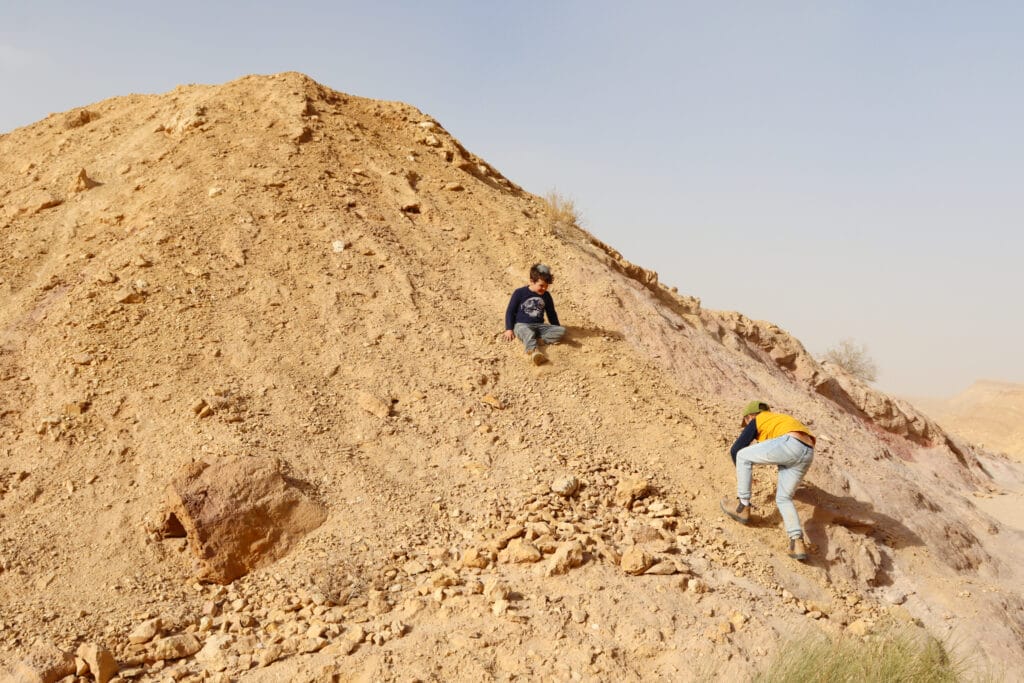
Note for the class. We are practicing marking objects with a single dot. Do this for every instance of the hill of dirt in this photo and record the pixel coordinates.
(990, 414)
(269, 278)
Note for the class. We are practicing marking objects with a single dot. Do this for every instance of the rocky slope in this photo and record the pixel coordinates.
(274, 270)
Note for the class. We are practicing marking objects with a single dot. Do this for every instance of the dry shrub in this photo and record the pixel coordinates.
(853, 358)
(562, 210)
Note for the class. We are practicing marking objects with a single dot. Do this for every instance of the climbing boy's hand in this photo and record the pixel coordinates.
(509, 335)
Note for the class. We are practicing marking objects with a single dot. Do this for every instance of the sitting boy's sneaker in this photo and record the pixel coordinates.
(741, 513)
(537, 357)
(798, 549)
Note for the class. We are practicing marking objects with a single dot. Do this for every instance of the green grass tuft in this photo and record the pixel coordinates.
(904, 656)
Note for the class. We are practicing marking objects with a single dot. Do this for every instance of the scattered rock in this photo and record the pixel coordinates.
(520, 551)
(173, 647)
(83, 182)
(514, 531)
(101, 663)
(493, 402)
(630, 490)
(129, 296)
(45, 664)
(663, 568)
(374, 405)
(568, 556)
(636, 561)
(496, 589)
(474, 557)
(78, 118)
(565, 486)
(413, 567)
(75, 408)
(145, 632)
(213, 654)
(270, 654)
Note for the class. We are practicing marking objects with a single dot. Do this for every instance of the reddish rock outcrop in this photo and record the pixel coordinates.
(238, 514)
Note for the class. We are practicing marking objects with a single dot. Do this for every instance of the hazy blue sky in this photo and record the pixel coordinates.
(843, 169)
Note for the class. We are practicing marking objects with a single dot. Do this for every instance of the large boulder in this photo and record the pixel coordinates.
(46, 663)
(239, 513)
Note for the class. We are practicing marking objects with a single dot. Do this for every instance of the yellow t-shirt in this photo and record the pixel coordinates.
(772, 425)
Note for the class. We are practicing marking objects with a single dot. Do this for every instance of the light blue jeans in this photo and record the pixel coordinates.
(793, 458)
(528, 333)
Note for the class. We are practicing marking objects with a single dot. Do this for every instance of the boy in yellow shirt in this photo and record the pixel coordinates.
(782, 441)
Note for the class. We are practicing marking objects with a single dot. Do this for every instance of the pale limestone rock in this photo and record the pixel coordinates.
(568, 556)
(145, 632)
(174, 647)
(356, 634)
(128, 296)
(663, 568)
(373, 404)
(636, 561)
(413, 567)
(270, 654)
(213, 655)
(45, 664)
(514, 531)
(520, 552)
(307, 646)
(473, 557)
(101, 663)
(630, 490)
(565, 486)
(334, 615)
(106, 277)
(496, 589)
(82, 182)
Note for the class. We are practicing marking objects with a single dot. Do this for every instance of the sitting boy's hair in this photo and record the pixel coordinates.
(539, 271)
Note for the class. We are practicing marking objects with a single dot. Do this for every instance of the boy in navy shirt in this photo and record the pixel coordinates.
(524, 317)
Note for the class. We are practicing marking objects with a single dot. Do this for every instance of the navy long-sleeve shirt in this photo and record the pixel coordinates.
(527, 306)
(745, 438)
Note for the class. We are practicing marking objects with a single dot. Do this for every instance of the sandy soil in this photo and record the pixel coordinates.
(271, 269)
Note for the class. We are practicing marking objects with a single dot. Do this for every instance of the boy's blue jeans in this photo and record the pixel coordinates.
(528, 333)
(793, 458)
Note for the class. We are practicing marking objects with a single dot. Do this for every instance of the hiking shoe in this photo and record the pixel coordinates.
(741, 513)
(537, 358)
(798, 549)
